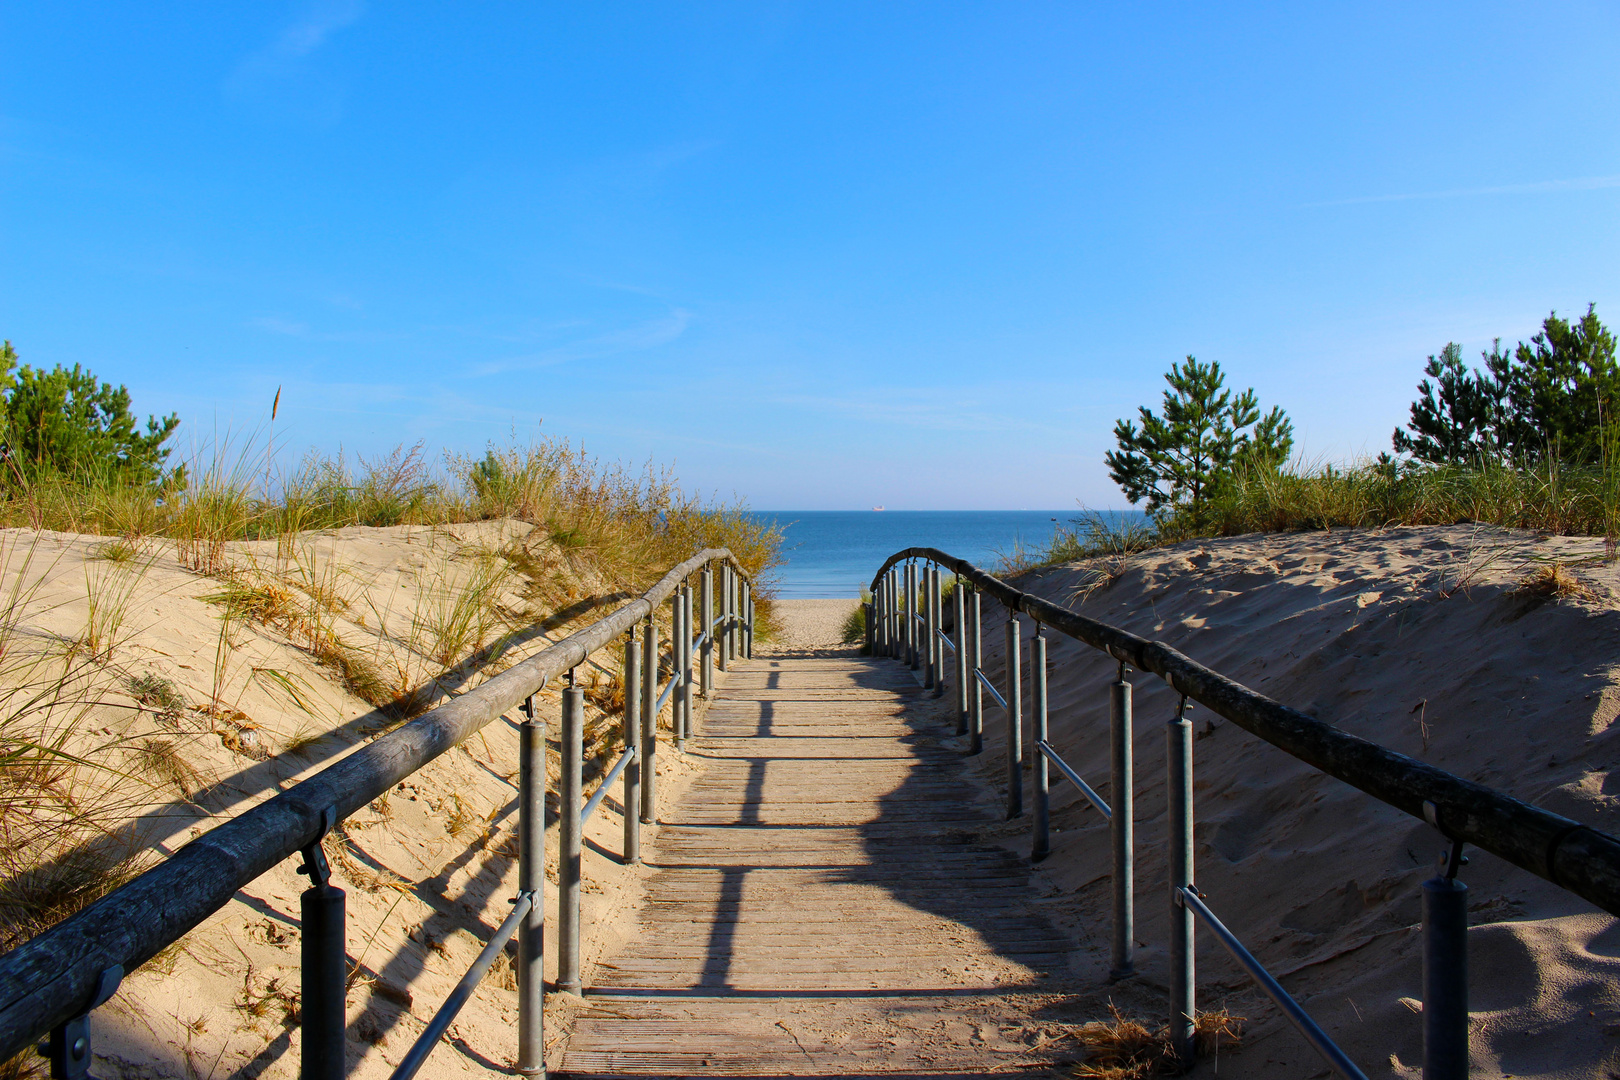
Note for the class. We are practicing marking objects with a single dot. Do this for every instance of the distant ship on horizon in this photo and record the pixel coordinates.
(877, 507)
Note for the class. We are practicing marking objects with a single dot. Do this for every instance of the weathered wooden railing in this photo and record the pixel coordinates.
(51, 984)
(903, 621)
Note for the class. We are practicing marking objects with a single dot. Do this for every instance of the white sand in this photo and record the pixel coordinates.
(1372, 631)
(809, 628)
(428, 875)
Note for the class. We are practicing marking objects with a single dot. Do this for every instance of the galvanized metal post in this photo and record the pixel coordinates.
(648, 811)
(975, 661)
(936, 622)
(688, 674)
(1445, 977)
(899, 613)
(1179, 782)
(931, 625)
(570, 835)
(1121, 826)
(920, 603)
(723, 643)
(913, 657)
(875, 616)
(649, 674)
(1037, 680)
(959, 613)
(926, 633)
(632, 741)
(748, 606)
(734, 619)
(1015, 720)
(324, 972)
(532, 880)
(885, 638)
(919, 655)
(892, 622)
(706, 617)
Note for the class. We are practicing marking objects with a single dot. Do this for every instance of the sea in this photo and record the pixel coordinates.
(833, 554)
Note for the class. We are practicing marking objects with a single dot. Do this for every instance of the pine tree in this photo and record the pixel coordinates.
(1179, 461)
(1549, 398)
(1462, 415)
(63, 422)
(1565, 387)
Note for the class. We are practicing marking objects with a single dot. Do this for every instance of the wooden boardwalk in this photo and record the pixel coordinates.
(819, 902)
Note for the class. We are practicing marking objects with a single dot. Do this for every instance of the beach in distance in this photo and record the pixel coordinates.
(832, 554)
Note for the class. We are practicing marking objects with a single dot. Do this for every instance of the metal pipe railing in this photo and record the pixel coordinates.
(625, 758)
(417, 1055)
(1337, 1060)
(984, 680)
(1075, 778)
(51, 983)
(1566, 852)
(664, 695)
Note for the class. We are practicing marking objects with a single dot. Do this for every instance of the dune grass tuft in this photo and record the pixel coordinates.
(1125, 1049)
(853, 631)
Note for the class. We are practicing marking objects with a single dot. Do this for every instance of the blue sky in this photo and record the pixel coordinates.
(813, 255)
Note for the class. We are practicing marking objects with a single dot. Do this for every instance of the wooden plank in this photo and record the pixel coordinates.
(791, 867)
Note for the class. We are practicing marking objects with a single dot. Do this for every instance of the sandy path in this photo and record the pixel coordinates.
(809, 628)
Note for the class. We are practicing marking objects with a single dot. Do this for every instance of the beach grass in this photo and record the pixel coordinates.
(1547, 496)
(625, 524)
(605, 532)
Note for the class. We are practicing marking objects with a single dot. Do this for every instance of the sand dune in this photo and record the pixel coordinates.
(1423, 640)
(428, 869)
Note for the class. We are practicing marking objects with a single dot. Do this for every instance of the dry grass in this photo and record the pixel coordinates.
(1127, 1049)
(1555, 582)
(268, 997)
(604, 521)
(159, 695)
(63, 788)
(605, 690)
(161, 758)
(460, 818)
(109, 593)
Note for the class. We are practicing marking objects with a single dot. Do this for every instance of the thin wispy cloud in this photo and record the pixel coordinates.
(638, 338)
(279, 79)
(1541, 187)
